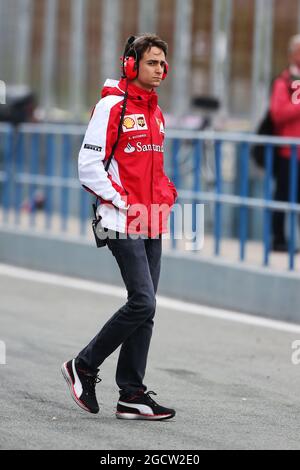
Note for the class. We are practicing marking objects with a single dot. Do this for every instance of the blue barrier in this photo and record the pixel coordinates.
(244, 189)
(45, 156)
(7, 172)
(66, 152)
(19, 169)
(293, 200)
(176, 179)
(218, 206)
(33, 169)
(269, 156)
(196, 177)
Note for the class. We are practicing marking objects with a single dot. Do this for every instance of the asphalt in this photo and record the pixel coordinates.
(233, 385)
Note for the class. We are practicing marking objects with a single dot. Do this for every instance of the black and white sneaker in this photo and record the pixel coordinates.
(142, 406)
(82, 385)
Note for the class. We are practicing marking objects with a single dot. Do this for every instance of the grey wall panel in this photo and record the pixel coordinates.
(207, 281)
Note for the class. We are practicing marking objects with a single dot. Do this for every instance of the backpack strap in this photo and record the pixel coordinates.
(95, 205)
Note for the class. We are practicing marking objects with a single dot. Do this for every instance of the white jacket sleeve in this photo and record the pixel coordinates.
(91, 169)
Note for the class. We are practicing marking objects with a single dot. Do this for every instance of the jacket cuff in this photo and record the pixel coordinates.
(120, 201)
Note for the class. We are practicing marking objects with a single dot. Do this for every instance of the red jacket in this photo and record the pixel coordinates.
(285, 114)
(136, 175)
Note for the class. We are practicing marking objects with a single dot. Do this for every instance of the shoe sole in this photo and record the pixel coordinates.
(133, 416)
(68, 379)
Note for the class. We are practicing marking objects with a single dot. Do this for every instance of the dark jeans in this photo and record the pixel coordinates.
(282, 187)
(131, 326)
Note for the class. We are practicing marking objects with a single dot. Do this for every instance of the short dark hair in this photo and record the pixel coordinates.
(143, 43)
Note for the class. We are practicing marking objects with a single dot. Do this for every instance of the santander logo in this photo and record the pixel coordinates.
(129, 148)
(143, 148)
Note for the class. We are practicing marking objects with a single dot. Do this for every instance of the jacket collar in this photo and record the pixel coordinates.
(135, 93)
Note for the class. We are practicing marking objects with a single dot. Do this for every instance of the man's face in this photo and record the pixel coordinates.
(151, 69)
(295, 56)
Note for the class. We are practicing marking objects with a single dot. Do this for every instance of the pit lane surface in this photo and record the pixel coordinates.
(232, 384)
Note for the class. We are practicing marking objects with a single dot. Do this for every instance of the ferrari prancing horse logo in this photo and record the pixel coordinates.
(160, 125)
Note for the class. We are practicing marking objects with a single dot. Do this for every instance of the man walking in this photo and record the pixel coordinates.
(136, 199)
(286, 118)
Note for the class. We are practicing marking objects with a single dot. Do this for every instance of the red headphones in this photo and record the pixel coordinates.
(130, 65)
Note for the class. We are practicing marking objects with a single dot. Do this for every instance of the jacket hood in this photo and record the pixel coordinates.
(135, 93)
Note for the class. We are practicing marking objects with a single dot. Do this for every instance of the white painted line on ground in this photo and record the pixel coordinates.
(163, 302)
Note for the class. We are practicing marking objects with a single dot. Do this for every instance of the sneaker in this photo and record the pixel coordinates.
(82, 385)
(142, 406)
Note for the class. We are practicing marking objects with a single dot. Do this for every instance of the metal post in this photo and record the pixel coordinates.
(78, 63)
(222, 19)
(47, 98)
(110, 52)
(244, 192)
(293, 190)
(8, 14)
(176, 179)
(262, 58)
(182, 57)
(8, 161)
(218, 205)
(65, 172)
(23, 38)
(147, 16)
(49, 172)
(18, 170)
(269, 157)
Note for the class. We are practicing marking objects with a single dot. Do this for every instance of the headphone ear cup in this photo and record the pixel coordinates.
(165, 71)
(130, 68)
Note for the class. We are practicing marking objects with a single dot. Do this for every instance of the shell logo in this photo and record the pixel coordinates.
(129, 123)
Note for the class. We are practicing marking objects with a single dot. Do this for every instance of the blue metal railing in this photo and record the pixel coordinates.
(244, 201)
(218, 206)
(268, 197)
(44, 157)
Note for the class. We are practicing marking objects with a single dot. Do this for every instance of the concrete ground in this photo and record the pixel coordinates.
(233, 385)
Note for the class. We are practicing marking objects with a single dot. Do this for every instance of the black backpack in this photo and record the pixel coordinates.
(266, 127)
